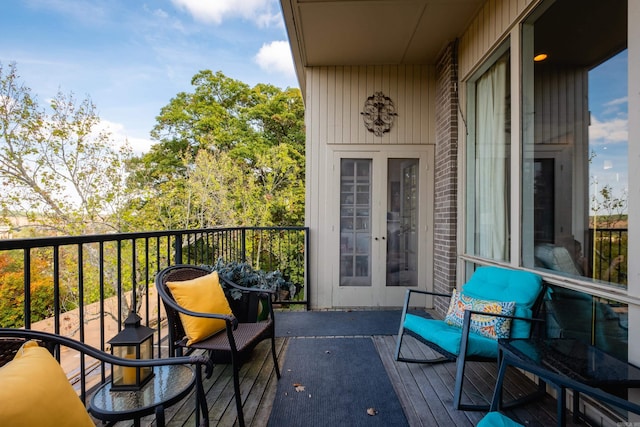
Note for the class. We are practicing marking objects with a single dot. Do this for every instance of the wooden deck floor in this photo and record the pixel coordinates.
(425, 391)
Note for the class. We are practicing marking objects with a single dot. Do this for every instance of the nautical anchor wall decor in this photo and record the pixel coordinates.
(378, 113)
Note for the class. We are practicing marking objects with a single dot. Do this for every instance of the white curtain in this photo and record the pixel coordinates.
(492, 194)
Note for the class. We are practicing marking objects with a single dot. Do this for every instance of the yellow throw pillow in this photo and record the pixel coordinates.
(204, 295)
(35, 391)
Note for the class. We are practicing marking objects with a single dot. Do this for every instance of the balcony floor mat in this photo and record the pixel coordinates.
(335, 382)
(338, 323)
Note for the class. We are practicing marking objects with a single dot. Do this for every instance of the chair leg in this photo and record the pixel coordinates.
(201, 400)
(236, 387)
(208, 370)
(460, 366)
(405, 306)
(399, 343)
(408, 360)
(275, 357)
(457, 393)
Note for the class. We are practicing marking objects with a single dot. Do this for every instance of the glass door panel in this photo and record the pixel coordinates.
(355, 220)
(402, 222)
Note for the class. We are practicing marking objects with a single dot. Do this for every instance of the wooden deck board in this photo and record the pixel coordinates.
(425, 391)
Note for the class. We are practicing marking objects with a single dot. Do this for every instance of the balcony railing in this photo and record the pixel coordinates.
(85, 286)
(605, 245)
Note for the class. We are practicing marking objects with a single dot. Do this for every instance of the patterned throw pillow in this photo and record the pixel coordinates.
(488, 326)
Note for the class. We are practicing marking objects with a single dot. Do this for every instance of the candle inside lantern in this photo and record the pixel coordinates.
(134, 341)
(129, 372)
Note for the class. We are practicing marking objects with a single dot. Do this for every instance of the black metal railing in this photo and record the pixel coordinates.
(85, 286)
(607, 249)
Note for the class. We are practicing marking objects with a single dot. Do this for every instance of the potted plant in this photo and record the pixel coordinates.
(243, 274)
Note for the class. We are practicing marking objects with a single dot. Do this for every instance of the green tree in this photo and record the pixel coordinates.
(227, 154)
(57, 167)
(12, 290)
(60, 169)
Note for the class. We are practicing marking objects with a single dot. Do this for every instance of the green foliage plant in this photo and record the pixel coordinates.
(243, 274)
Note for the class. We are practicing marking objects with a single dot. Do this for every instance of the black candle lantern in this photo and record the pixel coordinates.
(135, 341)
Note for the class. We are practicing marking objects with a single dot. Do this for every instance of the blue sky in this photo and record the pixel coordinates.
(608, 130)
(132, 56)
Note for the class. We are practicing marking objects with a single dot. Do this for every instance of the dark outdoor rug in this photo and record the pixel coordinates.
(338, 323)
(338, 380)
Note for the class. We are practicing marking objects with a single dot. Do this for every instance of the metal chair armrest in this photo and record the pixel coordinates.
(60, 340)
(230, 319)
(245, 289)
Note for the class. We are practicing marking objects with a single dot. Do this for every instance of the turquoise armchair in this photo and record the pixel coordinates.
(518, 296)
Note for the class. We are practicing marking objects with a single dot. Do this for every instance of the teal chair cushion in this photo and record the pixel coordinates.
(448, 337)
(496, 419)
(501, 284)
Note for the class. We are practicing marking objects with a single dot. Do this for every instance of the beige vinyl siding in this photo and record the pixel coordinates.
(561, 130)
(337, 95)
(487, 30)
(562, 110)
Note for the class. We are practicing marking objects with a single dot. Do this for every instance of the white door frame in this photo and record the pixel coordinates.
(380, 295)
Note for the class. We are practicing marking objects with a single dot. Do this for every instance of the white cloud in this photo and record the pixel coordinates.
(161, 14)
(275, 57)
(618, 101)
(616, 107)
(120, 138)
(608, 132)
(261, 12)
(88, 13)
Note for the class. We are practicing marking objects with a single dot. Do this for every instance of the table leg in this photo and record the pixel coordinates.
(496, 401)
(561, 402)
(201, 401)
(160, 416)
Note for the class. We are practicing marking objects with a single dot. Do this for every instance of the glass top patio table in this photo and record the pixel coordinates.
(169, 385)
(576, 360)
(567, 363)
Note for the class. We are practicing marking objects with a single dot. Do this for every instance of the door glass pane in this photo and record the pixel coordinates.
(402, 222)
(355, 222)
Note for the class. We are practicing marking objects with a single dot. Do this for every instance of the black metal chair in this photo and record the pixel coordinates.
(459, 343)
(231, 345)
(11, 340)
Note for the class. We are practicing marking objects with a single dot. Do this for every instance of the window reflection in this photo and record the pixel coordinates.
(575, 141)
(575, 161)
(573, 314)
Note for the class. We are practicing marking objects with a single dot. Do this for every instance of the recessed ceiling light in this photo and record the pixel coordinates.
(540, 57)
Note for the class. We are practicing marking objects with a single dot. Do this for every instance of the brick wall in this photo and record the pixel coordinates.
(446, 171)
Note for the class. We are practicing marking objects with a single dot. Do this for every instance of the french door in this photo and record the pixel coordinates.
(382, 223)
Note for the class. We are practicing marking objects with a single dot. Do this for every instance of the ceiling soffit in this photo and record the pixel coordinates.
(359, 32)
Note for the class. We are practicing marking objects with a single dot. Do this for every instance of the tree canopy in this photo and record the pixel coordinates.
(226, 155)
(56, 166)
